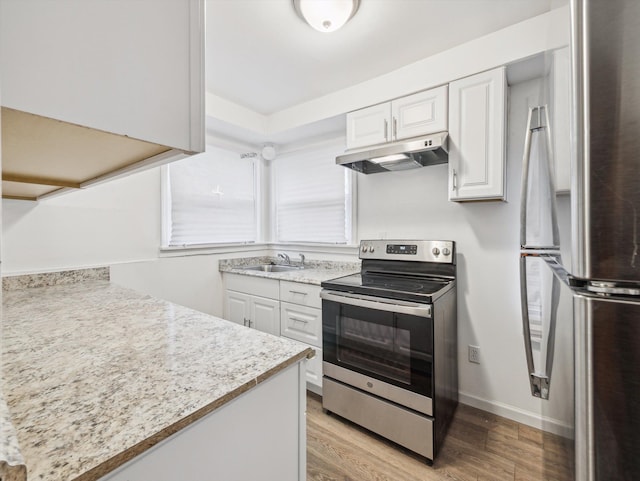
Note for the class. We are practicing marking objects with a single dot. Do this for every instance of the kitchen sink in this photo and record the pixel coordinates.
(272, 268)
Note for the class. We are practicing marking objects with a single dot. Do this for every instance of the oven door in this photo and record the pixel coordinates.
(380, 345)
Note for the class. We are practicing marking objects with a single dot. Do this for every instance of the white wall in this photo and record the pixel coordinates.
(413, 204)
(193, 281)
(114, 222)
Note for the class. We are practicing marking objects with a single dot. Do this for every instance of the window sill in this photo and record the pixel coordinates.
(203, 249)
(206, 249)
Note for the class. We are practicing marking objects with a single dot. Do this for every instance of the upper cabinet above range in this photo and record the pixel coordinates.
(411, 116)
(95, 88)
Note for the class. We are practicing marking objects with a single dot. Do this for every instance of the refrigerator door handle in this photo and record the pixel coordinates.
(524, 191)
(539, 381)
(538, 120)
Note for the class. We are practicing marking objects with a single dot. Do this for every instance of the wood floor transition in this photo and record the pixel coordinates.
(479, 447)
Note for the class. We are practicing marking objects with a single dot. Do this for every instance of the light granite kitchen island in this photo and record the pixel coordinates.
(101, 382)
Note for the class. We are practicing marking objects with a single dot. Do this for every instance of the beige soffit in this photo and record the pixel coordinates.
(41, 155)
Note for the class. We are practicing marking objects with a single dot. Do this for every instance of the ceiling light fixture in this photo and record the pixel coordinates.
(326, 15)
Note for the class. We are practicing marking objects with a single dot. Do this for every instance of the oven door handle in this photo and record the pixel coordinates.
(377, 303)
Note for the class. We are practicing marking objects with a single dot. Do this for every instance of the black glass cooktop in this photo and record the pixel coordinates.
(403, 287)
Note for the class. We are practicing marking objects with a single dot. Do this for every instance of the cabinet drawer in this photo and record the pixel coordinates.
(301, 323)
(256, 286)
(298, 293)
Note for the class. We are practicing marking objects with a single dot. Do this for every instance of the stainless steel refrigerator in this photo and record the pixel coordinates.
(584, 359)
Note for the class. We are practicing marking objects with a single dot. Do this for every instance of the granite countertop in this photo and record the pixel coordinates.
(94, 374)
(314, 272)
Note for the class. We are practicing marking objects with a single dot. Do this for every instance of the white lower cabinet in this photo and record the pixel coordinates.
(301, 323)
(252, 311)
(304, 324)
(281, 308)
(253, 302)
(265, 315)
(301, 320)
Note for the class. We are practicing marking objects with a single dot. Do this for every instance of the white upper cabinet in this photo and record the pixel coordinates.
(477, 136)
(418, 114)
(130, 68)
(368, 126)
(560, 115)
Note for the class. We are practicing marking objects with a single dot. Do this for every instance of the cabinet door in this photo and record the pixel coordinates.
(560, 117)
(237, 307)
(129, 68)
(369, 126)
(477, 136)
(265, 315)
(420, 114)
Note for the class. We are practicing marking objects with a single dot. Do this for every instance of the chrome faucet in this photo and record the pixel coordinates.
(285, 258)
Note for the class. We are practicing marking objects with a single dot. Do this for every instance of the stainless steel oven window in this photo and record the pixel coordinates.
(392, 347)
(381, 349)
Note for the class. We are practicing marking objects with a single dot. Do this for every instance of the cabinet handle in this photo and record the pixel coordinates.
(298, 319)
(454, 183)
(395, 129)
(386, 128)
(299, 292)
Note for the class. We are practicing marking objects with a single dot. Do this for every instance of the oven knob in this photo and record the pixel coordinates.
(446, 252)
(370, 248)
(435, 251)
(365, 248)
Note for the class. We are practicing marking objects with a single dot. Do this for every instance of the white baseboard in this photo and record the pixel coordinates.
(314, 388)
(519, 415)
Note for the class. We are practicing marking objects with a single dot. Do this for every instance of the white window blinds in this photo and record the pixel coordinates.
(312, 197)
(212, 199)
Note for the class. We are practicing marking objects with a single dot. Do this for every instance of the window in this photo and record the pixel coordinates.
(312, 197)
(210, 198)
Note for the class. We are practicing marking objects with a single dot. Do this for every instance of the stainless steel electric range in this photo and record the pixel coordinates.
(390, 342)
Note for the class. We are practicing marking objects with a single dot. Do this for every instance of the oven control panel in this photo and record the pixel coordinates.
(406, 249)
(410, 250)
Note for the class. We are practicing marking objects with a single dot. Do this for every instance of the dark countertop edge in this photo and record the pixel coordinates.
(11, 472)
(130, 453)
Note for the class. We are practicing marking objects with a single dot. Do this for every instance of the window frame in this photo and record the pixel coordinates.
(166, 220)
(264, 185)
(350, 200)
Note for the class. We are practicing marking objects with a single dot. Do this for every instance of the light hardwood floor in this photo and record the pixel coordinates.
(479, 447)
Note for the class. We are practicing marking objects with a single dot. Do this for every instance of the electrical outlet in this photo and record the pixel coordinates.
(474, 354)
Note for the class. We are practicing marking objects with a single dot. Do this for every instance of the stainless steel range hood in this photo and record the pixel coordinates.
(402, 155)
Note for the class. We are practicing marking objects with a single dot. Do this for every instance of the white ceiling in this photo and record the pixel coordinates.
(260, 55)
